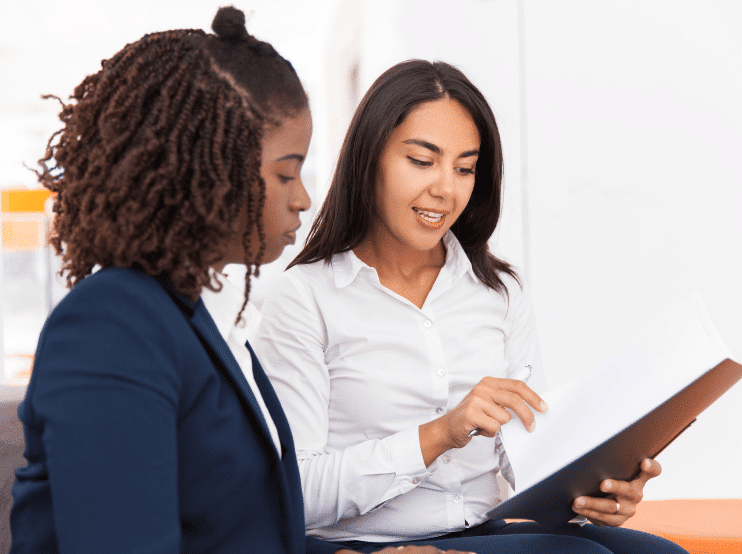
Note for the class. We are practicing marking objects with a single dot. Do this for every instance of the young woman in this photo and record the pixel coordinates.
(393, 338)
(149, 423)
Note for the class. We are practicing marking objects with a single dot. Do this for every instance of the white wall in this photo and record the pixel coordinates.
(635, 138)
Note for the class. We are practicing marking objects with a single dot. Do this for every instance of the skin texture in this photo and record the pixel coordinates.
(284, 149)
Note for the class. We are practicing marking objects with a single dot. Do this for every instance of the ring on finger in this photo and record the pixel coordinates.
(618, 507)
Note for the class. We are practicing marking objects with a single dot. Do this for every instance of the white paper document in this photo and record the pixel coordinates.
(669, 356)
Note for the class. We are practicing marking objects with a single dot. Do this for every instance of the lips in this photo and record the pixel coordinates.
(432, 219)
(291, 235)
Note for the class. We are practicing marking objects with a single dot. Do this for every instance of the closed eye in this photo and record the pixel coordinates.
(285, 178)
(421, 163)
(465, 170)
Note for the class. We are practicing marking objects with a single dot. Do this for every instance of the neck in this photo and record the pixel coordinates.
(390, 257)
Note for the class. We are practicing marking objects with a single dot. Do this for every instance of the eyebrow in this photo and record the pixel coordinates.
(297, 157)
(434, 148)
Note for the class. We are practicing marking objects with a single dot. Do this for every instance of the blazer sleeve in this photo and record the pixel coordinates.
(104, 396)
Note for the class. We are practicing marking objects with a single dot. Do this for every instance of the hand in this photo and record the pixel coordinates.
(483, 409)
(624, 496)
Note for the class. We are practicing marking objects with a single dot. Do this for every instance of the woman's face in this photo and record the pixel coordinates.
(284, 149)
(426, 174)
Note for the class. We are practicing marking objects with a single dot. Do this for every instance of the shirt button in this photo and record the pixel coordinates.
(427, 324)
(446, 459)
(439, 411)
(415, 481)
(456, 499)
(441, 372)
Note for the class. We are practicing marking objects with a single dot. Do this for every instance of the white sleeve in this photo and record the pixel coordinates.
(290, 343)
(521, 342)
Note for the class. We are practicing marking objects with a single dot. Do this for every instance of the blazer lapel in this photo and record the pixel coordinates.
(205, 326)
(272, 403)
(290, 493)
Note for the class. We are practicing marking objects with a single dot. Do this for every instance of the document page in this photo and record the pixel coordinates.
(669, 356)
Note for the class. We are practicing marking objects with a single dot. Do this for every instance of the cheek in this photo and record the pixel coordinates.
(397, 189)
(271, 213)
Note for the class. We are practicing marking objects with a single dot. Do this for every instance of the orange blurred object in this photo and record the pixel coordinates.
(701, 526)
(24, 200)
(24, 219)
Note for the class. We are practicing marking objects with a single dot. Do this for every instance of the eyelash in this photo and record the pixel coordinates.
(285, 179)
(422, 163)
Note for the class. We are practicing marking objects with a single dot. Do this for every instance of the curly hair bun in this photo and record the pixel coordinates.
(229, 24)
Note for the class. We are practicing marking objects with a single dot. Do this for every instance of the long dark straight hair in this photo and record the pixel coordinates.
(349, 209)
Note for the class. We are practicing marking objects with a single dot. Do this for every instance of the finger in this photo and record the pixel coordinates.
(633, 491)
(526, 393)
(649, 470)
(488, 418)
(600, 518)
(606, 510)
(514, 402)
(604, 506)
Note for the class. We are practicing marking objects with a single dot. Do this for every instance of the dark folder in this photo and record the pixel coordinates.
(550, 501)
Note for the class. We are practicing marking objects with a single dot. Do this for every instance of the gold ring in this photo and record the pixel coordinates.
(618, 507)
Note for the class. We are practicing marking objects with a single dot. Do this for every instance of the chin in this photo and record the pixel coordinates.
(424, 244)
(271, 255)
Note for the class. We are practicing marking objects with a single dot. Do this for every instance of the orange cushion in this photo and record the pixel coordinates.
(701, 526)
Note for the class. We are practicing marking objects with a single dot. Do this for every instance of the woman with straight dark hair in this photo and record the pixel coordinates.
(396, 340)
(348, 213)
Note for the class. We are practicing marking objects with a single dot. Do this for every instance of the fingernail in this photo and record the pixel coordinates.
(532, 427)
(607, 485)
(580, 502)
(544, 407)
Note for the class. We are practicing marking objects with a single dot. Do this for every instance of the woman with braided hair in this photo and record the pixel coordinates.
(149, 423)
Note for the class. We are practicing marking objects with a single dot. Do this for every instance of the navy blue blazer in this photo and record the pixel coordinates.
(143, 436)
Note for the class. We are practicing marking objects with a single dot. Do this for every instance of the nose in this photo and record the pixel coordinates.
(300, 201)
(444, 184)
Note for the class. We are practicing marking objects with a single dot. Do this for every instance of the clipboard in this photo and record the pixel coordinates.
(550, 501)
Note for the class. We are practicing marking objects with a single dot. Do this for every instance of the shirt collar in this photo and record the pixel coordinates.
(346, 266)
(223, 306)
(457, 262)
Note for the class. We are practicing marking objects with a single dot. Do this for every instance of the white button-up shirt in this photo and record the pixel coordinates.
(223, 307)
(358, 368)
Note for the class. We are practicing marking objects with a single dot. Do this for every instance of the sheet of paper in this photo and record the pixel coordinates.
(670, 355)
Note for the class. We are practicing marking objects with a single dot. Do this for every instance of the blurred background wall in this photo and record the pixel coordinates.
(622, 131)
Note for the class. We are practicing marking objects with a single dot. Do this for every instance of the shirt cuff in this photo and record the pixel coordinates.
(407, 457)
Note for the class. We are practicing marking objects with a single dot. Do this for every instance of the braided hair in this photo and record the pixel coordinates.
(161, 148)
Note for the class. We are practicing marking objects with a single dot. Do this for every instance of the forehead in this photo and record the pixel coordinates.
(444, 123)
(292, 135)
